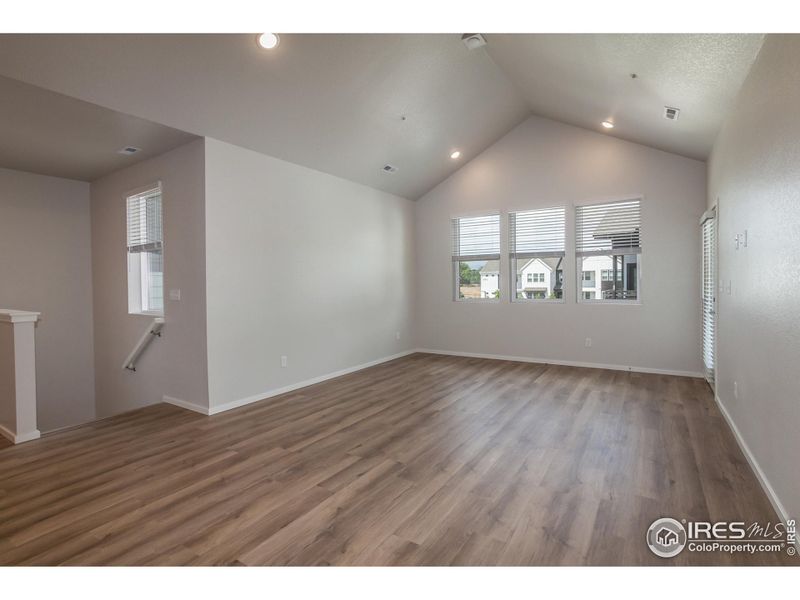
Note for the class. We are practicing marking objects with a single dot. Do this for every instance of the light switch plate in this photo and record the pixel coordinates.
(175, 295)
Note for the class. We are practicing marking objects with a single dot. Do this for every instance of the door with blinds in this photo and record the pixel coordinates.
(708, 224)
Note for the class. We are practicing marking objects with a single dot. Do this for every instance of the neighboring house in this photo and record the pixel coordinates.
(540, 278)
(490, 279)
(598, 276)
(536, 278)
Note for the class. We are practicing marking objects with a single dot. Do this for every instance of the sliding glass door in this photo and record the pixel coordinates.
(709, 230)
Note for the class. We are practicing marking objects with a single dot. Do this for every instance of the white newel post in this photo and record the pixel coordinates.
(18, 375)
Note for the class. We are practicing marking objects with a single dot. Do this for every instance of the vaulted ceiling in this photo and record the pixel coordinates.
(350, 104)
(52, 134)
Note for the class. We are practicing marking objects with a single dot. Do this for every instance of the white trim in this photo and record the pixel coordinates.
(283, 390)
(145, 188)
(187, 405)
(608, 199)
(19, 438)
(566, 363)
(8, 315)
(760, 475)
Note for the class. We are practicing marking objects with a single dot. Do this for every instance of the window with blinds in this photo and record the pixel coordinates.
(476, 257)
(145, 241)
(608, 248)
(536, 240)
(709, 233)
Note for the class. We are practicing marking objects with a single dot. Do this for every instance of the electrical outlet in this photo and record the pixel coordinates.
(284, 361)
(588, 342)
(397, 335)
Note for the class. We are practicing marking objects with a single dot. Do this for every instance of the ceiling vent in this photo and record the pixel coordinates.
(129, 150)
(671, 113)
(389, 168)
(473, 41)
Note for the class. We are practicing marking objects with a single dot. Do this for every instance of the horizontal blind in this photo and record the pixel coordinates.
(145, 228)
(537, 233)
(613, 228)
(709, 324)
(476, 238)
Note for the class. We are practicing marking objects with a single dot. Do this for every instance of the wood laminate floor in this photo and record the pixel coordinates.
(425, 460)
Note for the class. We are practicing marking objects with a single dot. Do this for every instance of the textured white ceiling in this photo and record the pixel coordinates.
(335, 102)
(52, 134)
(586, 79)
(330, 102)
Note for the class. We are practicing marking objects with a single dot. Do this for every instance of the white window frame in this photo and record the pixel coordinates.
(639, 261)
(455, 260)
(137, 278)
(513, 280)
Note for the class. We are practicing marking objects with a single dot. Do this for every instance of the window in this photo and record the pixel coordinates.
(608, 275)
(588, 295)
(608, 239)
(476, 258)
(145, 252)
(537, 244)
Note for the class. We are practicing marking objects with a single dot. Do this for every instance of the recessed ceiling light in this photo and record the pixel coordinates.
(268, 41)
(607, 124)
(455, 154)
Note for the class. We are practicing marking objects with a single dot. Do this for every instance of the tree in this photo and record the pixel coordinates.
(467, 275)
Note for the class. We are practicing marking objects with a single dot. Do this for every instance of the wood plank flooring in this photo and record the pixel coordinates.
(425, 460)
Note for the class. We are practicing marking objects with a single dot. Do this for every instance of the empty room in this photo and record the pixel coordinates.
(399, 299)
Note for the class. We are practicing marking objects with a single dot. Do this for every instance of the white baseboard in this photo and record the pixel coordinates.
(16, 438)
(566, 363)
(214, 410)
(203, 410)
(762, 478)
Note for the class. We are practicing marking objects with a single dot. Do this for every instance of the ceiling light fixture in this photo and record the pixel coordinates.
(607, 124)
(455, 154)
(473, 41)
(268, 41)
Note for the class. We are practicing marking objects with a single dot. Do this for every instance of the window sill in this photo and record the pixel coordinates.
(149, 313)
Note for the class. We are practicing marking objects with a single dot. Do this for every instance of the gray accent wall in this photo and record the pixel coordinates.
(175, 364)
(544, 163)
(299, 264)
(754, 179)
(45, 266)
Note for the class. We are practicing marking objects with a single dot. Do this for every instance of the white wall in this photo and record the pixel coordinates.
(543, 163)
(755, 178)
(45, 266)
(174, 365)
(301, 264)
